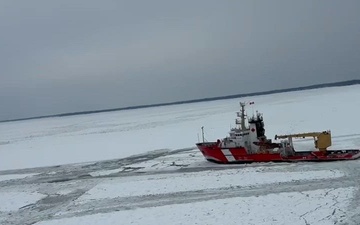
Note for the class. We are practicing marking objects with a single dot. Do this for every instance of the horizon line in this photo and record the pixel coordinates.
(309, 87)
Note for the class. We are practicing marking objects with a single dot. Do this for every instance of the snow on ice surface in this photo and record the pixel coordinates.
(15, 176)
(12, 201)
(178, 187)
(321, 207)
(168, 162)
(162, 184)
(94, 137)
(105, 172)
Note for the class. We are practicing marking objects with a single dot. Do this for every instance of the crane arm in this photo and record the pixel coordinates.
(301, 135)
(322, 140)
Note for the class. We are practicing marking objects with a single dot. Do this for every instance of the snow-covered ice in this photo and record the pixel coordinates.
(15, 176)
(320, 207)
(105, 172)
(85, 138)
(12, 201)
(51, 170)
(162, 184)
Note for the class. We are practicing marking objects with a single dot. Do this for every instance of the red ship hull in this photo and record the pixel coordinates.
(212, 152)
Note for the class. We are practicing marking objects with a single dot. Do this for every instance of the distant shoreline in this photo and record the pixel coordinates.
(316, 86)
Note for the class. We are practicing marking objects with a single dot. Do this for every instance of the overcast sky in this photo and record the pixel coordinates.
(76, 55)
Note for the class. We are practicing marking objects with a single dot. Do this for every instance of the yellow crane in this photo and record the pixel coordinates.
(322, 140)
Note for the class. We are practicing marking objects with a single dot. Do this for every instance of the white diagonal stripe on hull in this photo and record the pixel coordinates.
(229, 156)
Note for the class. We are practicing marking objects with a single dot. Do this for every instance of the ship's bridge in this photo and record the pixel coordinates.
(239, 132)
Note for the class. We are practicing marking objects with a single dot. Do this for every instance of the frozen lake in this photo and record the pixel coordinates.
(141, 166)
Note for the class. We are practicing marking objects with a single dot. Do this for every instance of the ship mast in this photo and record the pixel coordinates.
(242, 116)
(202, 133)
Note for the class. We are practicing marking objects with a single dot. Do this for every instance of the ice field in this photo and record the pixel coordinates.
(142, 167)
